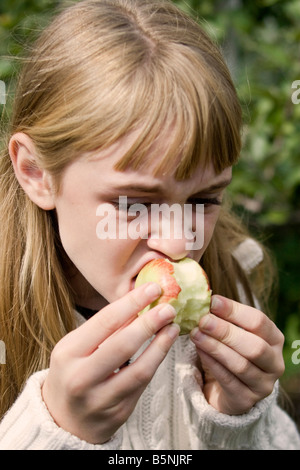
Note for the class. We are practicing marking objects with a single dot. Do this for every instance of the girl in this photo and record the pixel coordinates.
(130, 98)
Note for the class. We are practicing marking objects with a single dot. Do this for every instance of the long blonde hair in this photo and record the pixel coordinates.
(101, 69)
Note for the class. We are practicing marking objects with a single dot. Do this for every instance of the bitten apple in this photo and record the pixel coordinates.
(184, 285)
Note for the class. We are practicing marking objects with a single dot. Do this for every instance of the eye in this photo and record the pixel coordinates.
(126, 205)
(207, 202)
(131, 207)
(120, 206)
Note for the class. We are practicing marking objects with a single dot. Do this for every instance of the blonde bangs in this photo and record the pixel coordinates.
(188, 108)
(200, 121)
(169, 83)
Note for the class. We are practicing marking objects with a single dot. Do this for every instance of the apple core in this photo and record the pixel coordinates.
(184, 285)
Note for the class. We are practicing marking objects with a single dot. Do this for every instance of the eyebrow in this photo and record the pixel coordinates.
(141, 188)
(219, 185)
(156, 188)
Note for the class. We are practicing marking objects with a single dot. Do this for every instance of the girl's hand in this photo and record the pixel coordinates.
(240, 350)
(87, 391)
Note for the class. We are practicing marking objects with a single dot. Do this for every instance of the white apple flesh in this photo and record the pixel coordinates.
(184, 285)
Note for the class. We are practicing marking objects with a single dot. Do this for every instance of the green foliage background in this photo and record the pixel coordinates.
(261, 42)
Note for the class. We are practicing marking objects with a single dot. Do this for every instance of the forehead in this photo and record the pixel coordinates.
(148, 161)
(202, 181)
(101, 166)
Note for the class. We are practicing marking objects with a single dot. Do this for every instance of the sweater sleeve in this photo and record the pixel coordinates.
(29, 426)
(265, 427)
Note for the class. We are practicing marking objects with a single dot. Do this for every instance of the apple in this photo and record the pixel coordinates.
(184, 285)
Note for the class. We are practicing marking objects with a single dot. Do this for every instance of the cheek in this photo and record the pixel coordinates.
(210, 221)
(207, 229)
(77, 231)
(74, 227)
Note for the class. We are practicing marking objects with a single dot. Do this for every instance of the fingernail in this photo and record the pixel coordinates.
(153, 290)
(216, 303)
(197, 335)
(206, 322)
(167, 312)
(173, 330)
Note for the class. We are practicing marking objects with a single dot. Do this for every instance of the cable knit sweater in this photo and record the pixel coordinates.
(172, 413)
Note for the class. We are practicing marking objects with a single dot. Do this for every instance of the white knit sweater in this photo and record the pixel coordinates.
(172, 413)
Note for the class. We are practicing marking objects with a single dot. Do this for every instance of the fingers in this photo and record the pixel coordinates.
(226, 391)
(241, 342)
(229, 363)
(248, 318)
(127, 341)
(245, 330)
(138, 374)
(249, 345)
(86, 339)
(94, 401)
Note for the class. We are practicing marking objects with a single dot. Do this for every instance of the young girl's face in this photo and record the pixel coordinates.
(102, 270)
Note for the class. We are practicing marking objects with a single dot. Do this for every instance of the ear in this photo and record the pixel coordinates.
(35, 181)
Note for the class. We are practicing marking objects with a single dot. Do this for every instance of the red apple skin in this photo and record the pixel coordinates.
(169, 286)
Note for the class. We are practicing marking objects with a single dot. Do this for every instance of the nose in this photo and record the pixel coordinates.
(173, 249)
(169, 233)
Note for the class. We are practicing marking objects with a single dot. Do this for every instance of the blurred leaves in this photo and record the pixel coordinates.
(19, 19)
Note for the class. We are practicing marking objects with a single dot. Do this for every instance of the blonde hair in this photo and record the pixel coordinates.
(99, 71)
